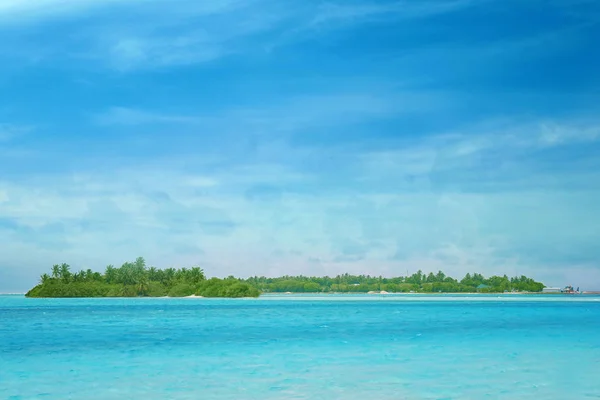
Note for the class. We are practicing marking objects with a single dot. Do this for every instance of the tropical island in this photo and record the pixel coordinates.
(135, 279)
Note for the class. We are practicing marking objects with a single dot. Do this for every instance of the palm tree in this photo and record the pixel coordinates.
(169, 275)
(65, 272)
(440, 276)
(78, 276)
(196, 274)
(142, 287)
(138, 268)
(140, 262)
(138, 273)
(44, 278)
(110, 274)
(56, 271)
(128, 273)
(152, 272)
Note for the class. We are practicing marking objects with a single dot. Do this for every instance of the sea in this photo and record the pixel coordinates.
(302, 347)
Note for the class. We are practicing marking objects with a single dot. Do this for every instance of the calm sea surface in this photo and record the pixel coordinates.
(304, 347)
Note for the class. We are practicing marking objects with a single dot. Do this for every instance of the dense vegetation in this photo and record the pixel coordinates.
(418, 282)
(134, 279)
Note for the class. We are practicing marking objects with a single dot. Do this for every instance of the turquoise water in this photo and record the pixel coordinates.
(305, 347)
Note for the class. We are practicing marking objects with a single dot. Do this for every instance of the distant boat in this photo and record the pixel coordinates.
(569, 290)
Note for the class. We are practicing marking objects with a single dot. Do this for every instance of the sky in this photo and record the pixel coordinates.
(263, 137)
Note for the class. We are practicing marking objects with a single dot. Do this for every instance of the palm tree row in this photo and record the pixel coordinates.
(130, 273)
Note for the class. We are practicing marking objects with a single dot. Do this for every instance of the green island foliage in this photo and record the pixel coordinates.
(417, 283)
(134, 279)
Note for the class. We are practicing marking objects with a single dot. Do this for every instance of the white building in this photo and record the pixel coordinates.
(551, 290)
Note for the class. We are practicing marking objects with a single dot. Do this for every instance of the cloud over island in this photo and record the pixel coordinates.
(373, 137)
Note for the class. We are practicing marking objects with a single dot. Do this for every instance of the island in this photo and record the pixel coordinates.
(135, 279)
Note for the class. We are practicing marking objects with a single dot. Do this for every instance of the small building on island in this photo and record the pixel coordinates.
(551, 290)
(567, 290)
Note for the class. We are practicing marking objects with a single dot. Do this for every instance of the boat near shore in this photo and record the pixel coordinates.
(569, 290)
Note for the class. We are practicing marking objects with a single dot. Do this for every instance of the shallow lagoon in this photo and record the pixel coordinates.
(302, 347)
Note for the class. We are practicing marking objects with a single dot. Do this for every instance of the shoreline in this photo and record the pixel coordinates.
(341, 296)
(422, 293)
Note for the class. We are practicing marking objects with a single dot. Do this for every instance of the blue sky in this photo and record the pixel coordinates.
(314, 137)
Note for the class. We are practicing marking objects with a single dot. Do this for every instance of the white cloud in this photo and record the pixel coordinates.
(552, 134)
(184, 32)
(287, 114)
(155, 52)
(16, 11)
(171, 216)
(348, 11)
(466, 155)
(453, 232)
(192, 35)
(318, 18)
(166, 33)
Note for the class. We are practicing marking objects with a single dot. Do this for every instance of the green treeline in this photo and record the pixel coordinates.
(134, 279)
(417, 282)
